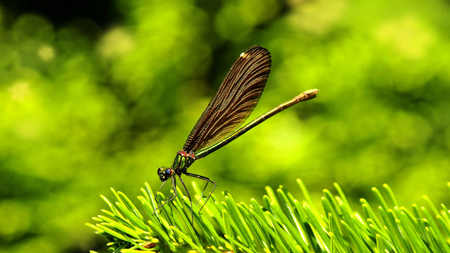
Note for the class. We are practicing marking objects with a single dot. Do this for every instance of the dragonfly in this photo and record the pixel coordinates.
(222, 120)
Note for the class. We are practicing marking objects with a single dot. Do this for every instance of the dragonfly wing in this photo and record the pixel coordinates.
(234, 101)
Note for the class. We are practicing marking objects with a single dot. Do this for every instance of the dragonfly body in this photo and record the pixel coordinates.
(221, 121)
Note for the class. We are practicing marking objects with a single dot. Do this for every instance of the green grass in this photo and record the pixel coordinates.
(279, 223)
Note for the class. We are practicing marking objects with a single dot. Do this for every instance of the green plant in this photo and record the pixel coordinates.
(279, 224)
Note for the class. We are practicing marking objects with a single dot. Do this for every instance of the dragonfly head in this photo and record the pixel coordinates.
(165, 173)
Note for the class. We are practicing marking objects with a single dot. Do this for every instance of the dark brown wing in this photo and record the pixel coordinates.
(234, 101)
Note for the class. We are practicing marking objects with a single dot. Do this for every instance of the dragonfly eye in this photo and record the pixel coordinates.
(164, 173)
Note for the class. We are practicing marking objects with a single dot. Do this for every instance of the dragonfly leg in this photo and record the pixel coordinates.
(201, 196)
(173, 196)
(190, 200)
(207, 181)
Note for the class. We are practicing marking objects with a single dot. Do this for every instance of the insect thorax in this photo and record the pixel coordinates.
(182, 161)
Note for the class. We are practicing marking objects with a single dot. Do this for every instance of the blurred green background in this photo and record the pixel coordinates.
(99, 95)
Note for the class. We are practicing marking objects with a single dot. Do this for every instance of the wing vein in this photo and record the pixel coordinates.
(234, 101)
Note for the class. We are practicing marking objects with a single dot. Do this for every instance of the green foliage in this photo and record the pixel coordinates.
(280, 223)
(84, 108)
